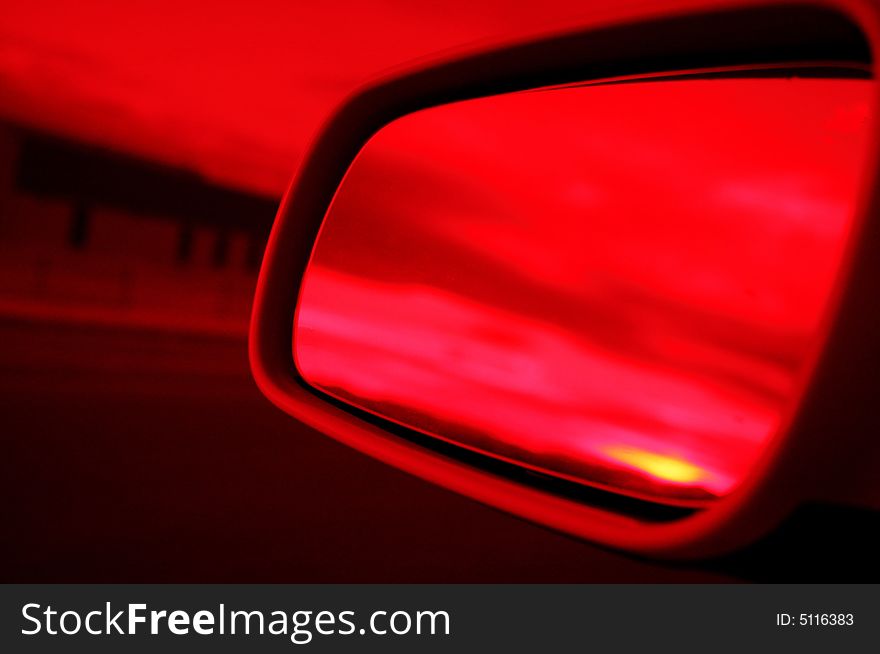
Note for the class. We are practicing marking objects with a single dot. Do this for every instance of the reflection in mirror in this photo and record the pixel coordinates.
(615, 284)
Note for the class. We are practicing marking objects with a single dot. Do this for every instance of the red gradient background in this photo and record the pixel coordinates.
(135, 446)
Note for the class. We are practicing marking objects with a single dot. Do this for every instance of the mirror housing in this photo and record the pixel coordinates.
(824, 440)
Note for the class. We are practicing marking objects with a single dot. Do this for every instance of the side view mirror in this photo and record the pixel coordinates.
(621, 282)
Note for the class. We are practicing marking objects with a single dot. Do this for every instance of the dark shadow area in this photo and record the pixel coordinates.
(818, 543)
(86, 176)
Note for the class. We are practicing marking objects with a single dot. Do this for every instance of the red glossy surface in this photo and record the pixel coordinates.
(615, 284)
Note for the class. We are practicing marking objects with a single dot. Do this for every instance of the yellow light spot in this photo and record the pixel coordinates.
(663, 467)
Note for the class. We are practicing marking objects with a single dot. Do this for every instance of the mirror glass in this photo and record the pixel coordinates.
(618, 284)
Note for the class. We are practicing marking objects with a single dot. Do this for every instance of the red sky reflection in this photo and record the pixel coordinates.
(614, 284)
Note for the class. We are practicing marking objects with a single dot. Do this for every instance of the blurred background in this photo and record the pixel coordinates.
(143, 150)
